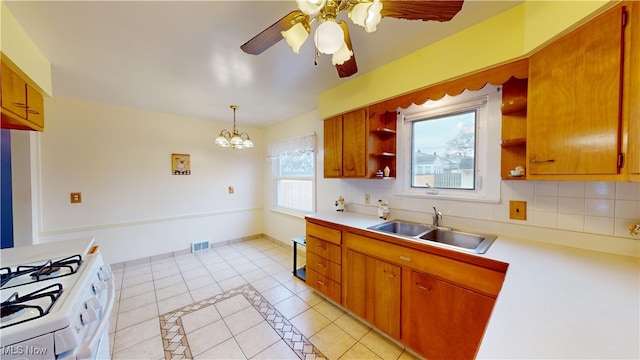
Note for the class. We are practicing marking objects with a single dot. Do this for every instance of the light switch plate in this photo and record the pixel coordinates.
(517, 210)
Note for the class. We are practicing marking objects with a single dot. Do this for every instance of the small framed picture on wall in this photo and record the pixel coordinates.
(181, 164)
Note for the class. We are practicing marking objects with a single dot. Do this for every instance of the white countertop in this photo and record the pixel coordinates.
(20, 255)
(556, 302)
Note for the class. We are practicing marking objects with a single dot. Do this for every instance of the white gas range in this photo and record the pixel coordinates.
(56, 299)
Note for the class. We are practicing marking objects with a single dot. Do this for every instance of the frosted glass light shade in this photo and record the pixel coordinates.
(341, 55)
(296, 36)
(236, 140)
(221, 141)
(367, 15)
(310, 7)
(329, 37)
(248, 143)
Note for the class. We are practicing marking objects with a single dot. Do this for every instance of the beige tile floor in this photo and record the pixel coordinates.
(203, 306)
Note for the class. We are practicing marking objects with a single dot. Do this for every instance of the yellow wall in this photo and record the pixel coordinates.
(17, 46)
(503, 38)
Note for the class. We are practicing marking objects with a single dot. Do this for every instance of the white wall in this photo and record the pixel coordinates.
(120, 160)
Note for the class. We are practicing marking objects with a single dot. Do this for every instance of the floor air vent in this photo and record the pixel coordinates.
(199, 246)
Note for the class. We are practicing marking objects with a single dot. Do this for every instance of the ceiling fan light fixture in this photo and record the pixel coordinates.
(341, 55)
(367, 15)
(329, 37)
(296, 36)
(311, 7)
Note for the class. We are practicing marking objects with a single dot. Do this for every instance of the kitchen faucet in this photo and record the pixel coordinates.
(437, 216)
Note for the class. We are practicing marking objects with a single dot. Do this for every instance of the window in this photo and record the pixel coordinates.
(293, 169)
(443, 151)
(451, 147)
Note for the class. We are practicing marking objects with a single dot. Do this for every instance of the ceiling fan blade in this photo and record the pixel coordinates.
(349, 67)
(436, 10)
(271, 35)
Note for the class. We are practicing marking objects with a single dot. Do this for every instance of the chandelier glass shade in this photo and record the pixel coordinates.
(329, 37)
(234, 139)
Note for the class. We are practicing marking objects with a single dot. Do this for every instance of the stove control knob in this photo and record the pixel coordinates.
(104, 274)
(87, 316)
(98, 287)
(92, 303)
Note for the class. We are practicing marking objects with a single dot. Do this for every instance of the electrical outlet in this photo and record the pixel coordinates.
(367, 199)
(231, 190)
(75, 197)
(517, 210)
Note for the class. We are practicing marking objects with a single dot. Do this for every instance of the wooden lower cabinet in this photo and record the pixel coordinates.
(372, 291)
(443, 320)
(324, 260)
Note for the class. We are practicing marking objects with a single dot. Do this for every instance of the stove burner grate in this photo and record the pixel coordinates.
(15, 303)
(48, 270)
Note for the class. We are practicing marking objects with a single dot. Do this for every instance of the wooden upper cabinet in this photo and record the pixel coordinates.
(631, 106)
(22, 104)
(354, 147)
(574, 112)
(345, 139)
(333, 147)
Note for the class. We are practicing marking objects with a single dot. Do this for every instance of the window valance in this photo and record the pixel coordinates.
(496, 76)
(292, 146)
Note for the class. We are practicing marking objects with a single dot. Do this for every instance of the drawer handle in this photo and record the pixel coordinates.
(321, 247)
(536, 161)
(405, 258)
(322, 265)
(320, 283)
(423, 287)
(389, 274)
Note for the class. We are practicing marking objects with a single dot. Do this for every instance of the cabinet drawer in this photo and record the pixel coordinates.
(325, 267)
(324, 249)
(323, 284)
(324, 233)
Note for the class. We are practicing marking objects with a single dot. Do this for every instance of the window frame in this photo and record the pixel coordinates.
(289, 146)
(487, 139)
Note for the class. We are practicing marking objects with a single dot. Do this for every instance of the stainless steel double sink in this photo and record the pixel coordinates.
(459, 240)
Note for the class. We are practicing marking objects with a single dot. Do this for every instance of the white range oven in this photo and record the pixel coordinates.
(56, 299)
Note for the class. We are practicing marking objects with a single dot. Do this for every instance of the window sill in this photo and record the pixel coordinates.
(289, 212)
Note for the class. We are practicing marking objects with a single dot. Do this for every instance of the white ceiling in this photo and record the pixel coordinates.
(184, 58)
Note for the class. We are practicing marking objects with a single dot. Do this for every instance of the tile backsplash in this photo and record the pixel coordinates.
(601, 208)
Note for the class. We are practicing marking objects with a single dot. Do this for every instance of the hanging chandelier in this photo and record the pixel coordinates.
(234, 139)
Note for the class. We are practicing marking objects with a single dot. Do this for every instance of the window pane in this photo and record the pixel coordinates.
(296, 165)
(295, 194)
(443, 151)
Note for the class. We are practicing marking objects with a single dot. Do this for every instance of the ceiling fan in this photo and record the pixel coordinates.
(332, 35)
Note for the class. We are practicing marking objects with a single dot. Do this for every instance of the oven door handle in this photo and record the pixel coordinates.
(87, 348)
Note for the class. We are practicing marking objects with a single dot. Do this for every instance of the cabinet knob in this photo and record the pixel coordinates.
(20, 105)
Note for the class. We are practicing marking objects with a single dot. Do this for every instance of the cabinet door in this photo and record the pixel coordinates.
(372, 291)
(384, 296)
(333, 147)
(35, 111)
(355, 297)
(14, 97)
(354, 149)
(446, 321)
(574, 106)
